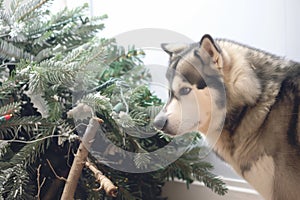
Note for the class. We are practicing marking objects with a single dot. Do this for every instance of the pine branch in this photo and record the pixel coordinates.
(4, 148)
(8, 88)
(200, 173)
(29, 125)
(50, 74)
(56, 22)
(10, 108)
(9, 51)
(65, 73)
(28, 8)
(16, 184)
(98, 102)
(32, 151)
(44, 54)
(55, 109)
(66, 28)
(190, 168)
(98, 53)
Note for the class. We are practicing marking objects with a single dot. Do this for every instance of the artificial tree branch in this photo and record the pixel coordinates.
(104, 182)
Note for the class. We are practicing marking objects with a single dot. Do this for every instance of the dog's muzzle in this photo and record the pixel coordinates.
(160, 121)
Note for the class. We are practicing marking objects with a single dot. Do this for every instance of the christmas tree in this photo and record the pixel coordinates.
(60, 83)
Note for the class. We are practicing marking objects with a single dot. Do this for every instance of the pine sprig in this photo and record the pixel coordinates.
(4, 148)
(29, 153)
(201, 173)
(142, 97)
(98, 102)
(9, 51)
(50, 74)
(30, 8)
(10, 108)
(27, 124)
(190, 167)
(16, 184)
(66, 29)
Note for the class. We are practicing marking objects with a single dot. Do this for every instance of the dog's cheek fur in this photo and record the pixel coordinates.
(205, 109)
(242, 83)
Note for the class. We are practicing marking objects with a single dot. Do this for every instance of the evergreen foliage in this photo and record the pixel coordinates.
(52, 62)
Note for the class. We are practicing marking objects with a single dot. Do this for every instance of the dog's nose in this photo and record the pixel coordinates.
(160, 121)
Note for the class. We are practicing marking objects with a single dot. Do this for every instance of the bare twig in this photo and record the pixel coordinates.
(104, 182)
(68, 157)
(58, 177)
(39, 185)
(55, 187)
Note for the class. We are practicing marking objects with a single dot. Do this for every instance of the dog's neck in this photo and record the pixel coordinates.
(246, 80)
(252, 88)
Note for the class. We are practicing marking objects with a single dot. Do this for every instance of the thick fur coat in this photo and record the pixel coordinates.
(246, 102)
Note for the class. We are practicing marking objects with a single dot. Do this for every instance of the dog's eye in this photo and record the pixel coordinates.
(184, 91)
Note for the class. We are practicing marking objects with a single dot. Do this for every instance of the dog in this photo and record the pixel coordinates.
(245, 102)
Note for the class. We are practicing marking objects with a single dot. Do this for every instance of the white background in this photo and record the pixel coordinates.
(271, 25)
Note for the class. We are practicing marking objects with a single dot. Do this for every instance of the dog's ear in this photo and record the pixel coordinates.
(208, 44)
(173, 48)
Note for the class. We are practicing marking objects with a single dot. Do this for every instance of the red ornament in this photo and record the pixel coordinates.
(7, 117)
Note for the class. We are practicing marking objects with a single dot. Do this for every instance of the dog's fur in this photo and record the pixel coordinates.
(246, 102)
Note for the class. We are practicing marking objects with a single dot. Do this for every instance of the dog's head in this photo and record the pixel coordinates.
(195, 80)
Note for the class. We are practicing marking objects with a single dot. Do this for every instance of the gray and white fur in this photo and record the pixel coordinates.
(246, 102)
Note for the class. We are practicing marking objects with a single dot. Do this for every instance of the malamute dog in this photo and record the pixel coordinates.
(246, 103)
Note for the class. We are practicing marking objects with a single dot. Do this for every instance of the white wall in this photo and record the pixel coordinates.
(272, 25)
(237, 190)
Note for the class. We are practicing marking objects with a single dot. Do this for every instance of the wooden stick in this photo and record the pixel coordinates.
(80, 159)
(104, 182)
